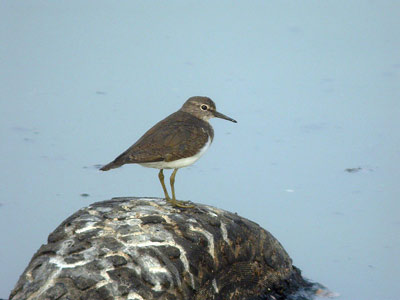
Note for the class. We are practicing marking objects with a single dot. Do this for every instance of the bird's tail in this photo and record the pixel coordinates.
(111, 165)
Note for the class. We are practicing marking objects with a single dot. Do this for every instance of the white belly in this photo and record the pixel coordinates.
(179, 163)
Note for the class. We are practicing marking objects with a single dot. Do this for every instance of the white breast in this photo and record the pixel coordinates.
(179, 163)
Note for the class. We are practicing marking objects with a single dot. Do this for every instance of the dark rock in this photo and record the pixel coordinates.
(144, 249)
(56, 291)
(117, 261)
(152, 220)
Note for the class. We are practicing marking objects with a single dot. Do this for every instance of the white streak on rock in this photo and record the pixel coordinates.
(60, 263)
(134, 296)
(183, 255)
(224, 232)
(212, 214)
(209, 237)
(106, 277)
(89, 226)
(49, 283)
(215, 286)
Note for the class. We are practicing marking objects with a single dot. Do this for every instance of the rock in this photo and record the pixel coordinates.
(143, 249)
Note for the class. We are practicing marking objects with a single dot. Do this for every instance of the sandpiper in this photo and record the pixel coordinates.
(175, 142)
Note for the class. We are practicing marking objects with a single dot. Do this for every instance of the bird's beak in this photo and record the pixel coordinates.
(222, 116)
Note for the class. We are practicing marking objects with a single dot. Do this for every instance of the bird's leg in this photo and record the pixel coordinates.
(173, 201)
(161, 177)
(172, 182)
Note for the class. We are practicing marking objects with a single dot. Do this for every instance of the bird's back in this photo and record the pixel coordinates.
(180, 135)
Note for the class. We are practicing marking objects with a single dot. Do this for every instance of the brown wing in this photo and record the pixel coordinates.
(178, 136)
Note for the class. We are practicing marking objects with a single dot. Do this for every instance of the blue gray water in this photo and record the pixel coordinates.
(314, 85)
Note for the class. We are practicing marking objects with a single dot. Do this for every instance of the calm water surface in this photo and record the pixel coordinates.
(314, 157)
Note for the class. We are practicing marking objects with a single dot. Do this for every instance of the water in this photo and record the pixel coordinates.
(314, 87)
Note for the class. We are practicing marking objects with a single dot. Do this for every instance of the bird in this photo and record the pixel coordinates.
(175, 142)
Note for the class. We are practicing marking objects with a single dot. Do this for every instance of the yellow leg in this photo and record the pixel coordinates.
(173, 201)
(172, 182)
(161, 177)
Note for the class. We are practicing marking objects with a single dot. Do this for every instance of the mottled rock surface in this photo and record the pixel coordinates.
(143, 249)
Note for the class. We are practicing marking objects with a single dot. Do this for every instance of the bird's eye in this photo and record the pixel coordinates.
(204, 107)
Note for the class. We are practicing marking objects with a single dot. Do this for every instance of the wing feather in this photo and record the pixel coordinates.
(170, 139)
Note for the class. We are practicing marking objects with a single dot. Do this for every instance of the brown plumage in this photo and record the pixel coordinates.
(175, 142)
(179, 135)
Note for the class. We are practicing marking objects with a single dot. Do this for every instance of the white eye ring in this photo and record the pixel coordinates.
(204, 107)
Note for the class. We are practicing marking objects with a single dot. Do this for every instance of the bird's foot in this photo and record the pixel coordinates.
(181, 204)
